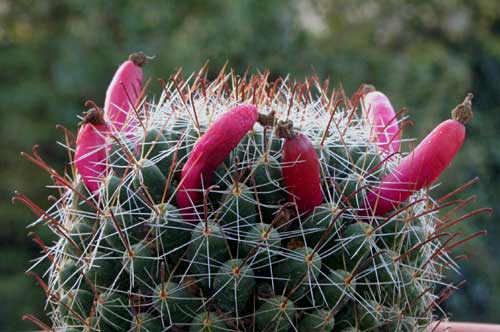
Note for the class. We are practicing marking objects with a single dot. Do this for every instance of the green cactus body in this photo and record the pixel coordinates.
(275, 314)
(131, 228)
(69, 274)
(103, 270)
(126, 258)
(318, 226)
(116, 190)
(352, 189)
(339, 160)
(80, 237)
(146, 322)
(151, 179)
(335, 289)
(208, 248)
(183, 135)
(119, 157)
(297, 273)
(139, 263)
(247, 148)
(370, 316)
(112, 313)
(75, 306)
(207, 322)
(346, 319)
(237, 207)
(170, 231)
(175, 303)
(261, 245)
(350, 329)
(385, 268)
(355, 245)
(234, 285)
(405, 238)
(156, 145)
(267, 176)
(320, 320)
(254, 145)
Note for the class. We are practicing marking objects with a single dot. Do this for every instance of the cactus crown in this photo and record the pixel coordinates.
(125, 260)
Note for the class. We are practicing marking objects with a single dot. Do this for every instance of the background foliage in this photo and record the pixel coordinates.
(425, 55)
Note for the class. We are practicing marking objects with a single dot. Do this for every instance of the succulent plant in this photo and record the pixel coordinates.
(240, 204)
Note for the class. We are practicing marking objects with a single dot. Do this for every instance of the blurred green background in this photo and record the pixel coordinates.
(425, 55)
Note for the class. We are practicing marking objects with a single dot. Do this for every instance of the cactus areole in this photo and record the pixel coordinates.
(210, 216)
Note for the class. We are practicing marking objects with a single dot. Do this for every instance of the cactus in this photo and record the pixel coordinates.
(250, 248)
